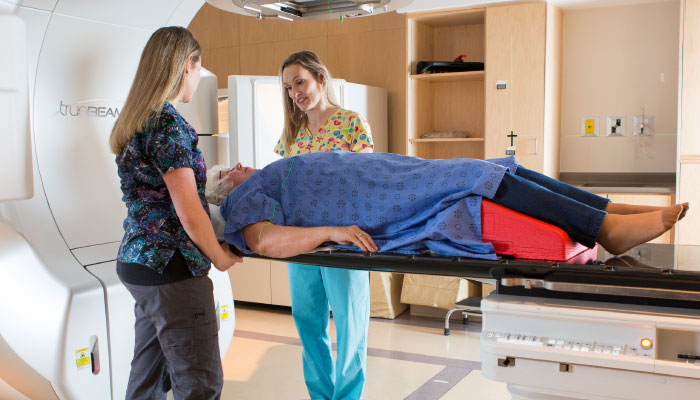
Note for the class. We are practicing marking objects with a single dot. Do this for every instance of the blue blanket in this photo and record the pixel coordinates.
(407, 204)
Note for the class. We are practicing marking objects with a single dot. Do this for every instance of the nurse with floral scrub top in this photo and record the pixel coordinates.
(314, 123)
(345, 130)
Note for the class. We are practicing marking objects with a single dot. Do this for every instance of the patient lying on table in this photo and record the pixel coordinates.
(385, 202)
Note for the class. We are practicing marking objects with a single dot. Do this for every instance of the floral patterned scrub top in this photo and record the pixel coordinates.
(345, 130)
(152, 230)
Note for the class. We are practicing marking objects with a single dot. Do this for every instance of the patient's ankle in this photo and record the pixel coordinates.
(671, 215)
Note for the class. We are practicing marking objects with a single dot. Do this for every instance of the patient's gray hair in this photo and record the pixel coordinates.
(216, 189)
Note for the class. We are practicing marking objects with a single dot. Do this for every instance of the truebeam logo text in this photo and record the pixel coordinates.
(80, 110)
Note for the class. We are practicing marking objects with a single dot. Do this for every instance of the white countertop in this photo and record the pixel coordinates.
(629, 189)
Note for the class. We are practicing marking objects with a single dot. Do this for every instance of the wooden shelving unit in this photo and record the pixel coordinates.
(450, 76)
(470, 101)
(446, 101)
(445, 140)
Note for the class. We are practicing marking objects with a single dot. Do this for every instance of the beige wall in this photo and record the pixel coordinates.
(613, 58)
(369, 50)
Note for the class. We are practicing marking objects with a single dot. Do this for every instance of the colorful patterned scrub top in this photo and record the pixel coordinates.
(345, 130)
(152, 230)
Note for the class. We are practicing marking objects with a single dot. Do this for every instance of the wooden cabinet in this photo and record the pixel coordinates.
(523, 48)
(519, 44)
(446, 101)
(260, 281)
(279, 284)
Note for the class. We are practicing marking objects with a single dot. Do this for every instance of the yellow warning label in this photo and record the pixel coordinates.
(82, 358)
(590, 127)
(224, 312)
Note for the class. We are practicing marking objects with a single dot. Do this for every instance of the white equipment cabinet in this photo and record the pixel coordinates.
(256, 120)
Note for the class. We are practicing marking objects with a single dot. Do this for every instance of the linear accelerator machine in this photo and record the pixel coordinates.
(66, 322)
(552, 331)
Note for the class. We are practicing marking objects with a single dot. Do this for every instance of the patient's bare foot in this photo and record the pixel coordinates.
(626, 209)
(620, 233)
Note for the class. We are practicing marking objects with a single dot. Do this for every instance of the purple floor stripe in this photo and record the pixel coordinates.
(439, 384)
(425, 359)
(390, 354)
(267, 338)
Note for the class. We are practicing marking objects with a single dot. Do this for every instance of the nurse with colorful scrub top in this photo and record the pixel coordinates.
(314, 123)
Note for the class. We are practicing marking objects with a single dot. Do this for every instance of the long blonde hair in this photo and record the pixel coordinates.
(294, 118)
(159, 78)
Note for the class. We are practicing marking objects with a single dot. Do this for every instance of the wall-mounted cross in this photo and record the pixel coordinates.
(511, 136)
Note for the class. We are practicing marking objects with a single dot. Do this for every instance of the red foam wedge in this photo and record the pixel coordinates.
(518, 235)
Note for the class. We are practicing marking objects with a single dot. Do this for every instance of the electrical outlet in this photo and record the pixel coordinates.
(616, 125)
(589, 126)
(643, 127)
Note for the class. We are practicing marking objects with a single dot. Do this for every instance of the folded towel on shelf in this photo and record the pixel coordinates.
(444, 134)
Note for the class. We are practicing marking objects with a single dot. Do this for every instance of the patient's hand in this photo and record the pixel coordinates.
(352, 235)
(279, 241)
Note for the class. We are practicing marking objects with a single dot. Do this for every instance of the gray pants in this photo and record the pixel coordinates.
(177, 342)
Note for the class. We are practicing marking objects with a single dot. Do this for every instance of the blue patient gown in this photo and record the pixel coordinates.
(405, 203)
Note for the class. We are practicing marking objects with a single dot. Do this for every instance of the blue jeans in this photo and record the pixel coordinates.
(578, 212)
(312, 290)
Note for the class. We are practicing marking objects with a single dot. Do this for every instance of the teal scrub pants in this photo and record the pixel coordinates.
(312, 290)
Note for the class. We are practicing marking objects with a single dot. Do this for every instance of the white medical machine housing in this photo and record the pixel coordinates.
(66, 322)
(202, 110)
(310, 9)
(560, 349)
(202, 113)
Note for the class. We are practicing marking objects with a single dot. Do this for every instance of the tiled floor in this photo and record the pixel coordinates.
(409, 358)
